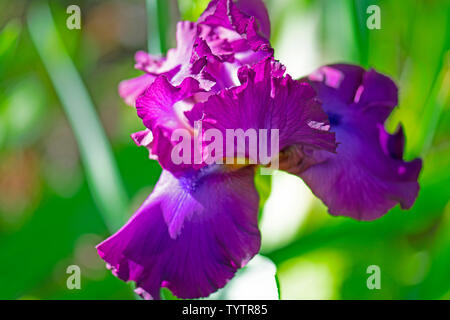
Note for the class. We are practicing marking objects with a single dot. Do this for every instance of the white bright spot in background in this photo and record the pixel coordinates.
(298, 48)
(285, 209)
(254, 282)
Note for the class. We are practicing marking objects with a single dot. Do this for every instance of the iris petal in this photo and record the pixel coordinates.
(190, 235)
(131, 89)
(367, 176)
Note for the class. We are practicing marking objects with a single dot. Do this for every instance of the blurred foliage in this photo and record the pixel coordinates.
(49, 219)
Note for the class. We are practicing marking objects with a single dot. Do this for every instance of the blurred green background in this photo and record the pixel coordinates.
(70, 174)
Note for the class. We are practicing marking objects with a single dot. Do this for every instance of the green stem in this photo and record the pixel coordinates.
(160, 24)
(101, 170)
(153, 30)
(357, 12)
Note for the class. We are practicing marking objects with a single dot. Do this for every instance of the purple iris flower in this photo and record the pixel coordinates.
(367, 175)
(199, 225)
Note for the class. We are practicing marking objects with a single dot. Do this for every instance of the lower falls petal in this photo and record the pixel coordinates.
(190, 235)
